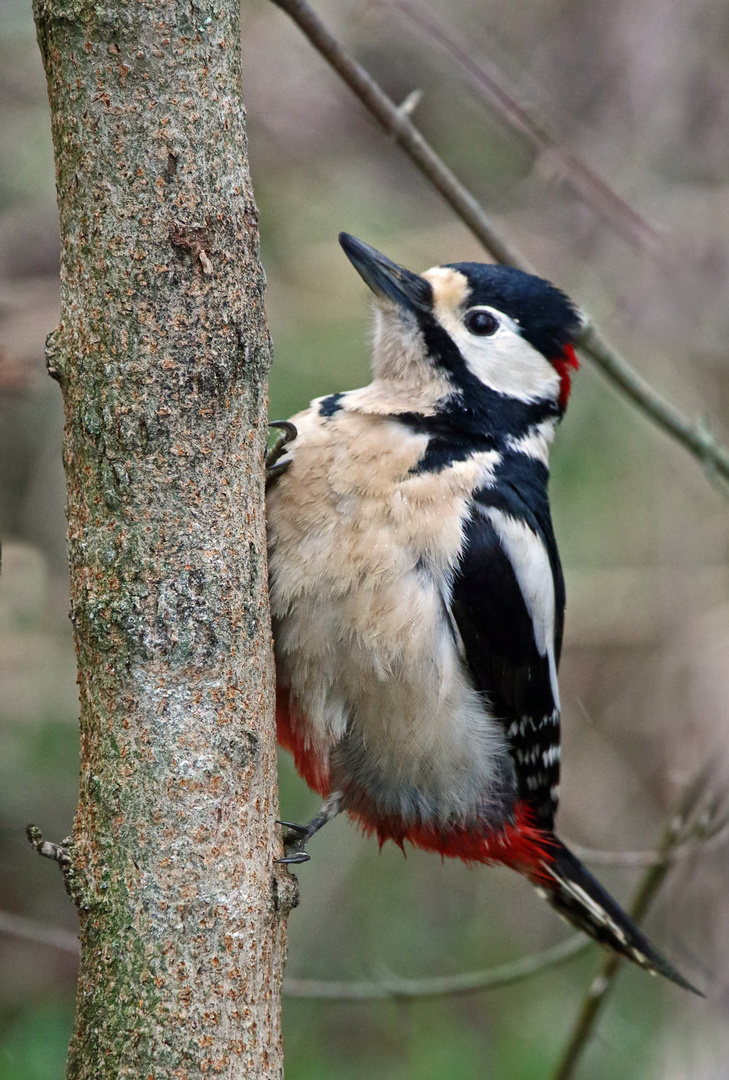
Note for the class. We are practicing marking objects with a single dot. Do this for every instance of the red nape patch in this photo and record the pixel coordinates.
(310, 764)
(561, 365)
(519, 843)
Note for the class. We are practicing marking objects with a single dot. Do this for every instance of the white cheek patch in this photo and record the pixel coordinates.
(503, 361)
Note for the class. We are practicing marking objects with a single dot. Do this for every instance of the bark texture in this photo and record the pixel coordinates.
(162, 355)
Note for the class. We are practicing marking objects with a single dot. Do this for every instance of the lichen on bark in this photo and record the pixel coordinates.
(162, 354)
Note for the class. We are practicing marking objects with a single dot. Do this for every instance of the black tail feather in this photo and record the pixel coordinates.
(573, 892)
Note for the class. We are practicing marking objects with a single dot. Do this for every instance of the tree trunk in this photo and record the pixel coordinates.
(162, 354)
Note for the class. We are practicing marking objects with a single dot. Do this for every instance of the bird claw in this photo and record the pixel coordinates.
(295, 840)
(286, 433)
(294, 827)
(297, 836)
(293, 859)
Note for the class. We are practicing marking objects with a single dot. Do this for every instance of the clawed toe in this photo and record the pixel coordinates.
(300, 830)
(287, 433)
(294, 841)
(293, 858)
(298, 836)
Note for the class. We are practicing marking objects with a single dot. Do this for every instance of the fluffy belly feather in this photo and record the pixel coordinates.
(364, 644)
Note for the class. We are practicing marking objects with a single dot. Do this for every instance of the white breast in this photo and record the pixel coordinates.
(361, 553)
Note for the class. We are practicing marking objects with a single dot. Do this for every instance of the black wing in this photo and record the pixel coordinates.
(500, 637)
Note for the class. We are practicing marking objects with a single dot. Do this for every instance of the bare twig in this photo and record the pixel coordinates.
(39, 933)
(708, 833)
(693, 436)
(685, 823)
(62, 854)
(470, 982)
(58, 852)
(392, 987)
(584, 181)
(398, 125)
(683, 837)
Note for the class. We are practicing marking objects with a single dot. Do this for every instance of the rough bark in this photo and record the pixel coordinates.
(162, 354)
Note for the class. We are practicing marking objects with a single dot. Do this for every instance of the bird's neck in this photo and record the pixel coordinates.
(521, 432)
(510, 427)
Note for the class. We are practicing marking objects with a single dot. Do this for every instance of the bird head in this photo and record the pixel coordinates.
(470, 329)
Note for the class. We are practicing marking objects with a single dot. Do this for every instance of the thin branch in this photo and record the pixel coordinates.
(467, 983)
(59, 853)
(39, 933)
(711, 834)
(679, 838)
(682, 827)
(590, 188)
(391, 987)
(396, 123)
(693, 436)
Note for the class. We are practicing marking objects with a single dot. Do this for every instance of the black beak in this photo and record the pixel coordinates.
(386, 279)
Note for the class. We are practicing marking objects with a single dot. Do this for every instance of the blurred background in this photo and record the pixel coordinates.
(639, 91)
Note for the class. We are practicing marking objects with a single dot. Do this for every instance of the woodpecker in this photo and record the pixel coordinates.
(416, 590)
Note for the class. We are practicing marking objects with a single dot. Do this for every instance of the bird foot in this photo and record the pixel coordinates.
(295, 840)
(297, 837)
(286, 433)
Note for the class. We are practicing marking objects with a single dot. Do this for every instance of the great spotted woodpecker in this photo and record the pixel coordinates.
(416, 589)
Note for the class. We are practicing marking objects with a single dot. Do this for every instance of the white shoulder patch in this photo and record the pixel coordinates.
(528, 556)
(536, 442)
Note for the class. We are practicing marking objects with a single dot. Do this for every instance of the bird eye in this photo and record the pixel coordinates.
(481, 323)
